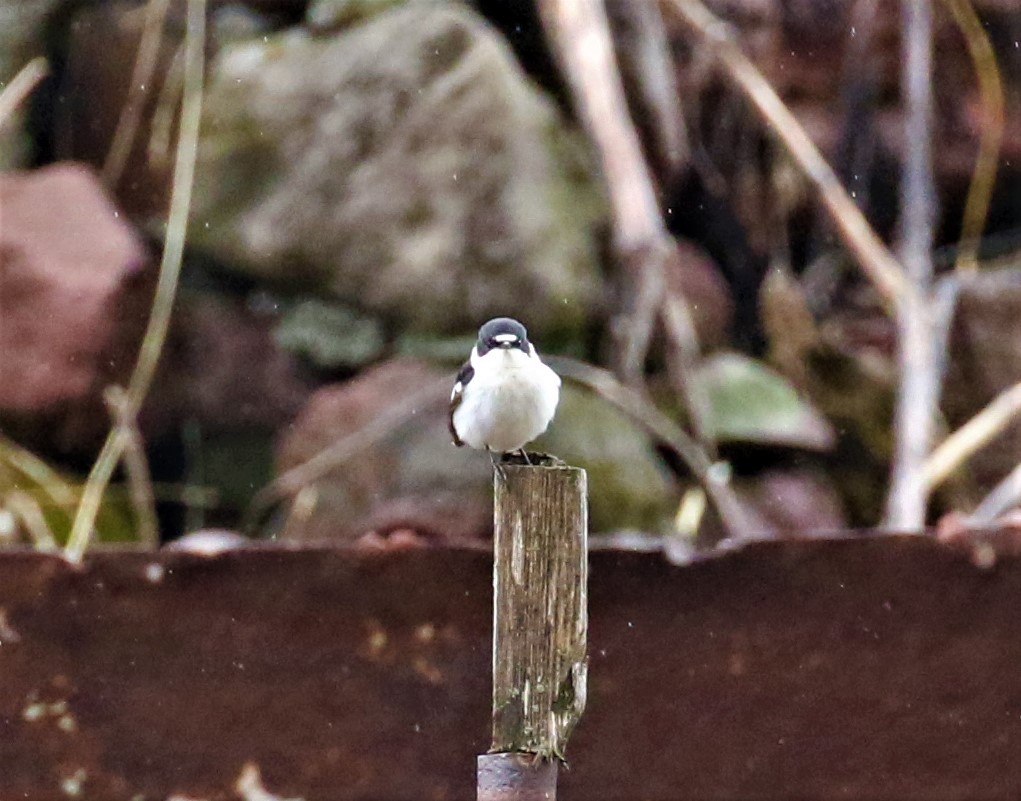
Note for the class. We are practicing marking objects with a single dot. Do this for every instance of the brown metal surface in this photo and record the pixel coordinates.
(877, 668)
(516, 777)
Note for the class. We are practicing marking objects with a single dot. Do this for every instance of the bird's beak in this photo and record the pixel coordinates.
(506, 341)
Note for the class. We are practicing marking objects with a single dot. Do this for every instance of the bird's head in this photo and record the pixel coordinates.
(503, 333)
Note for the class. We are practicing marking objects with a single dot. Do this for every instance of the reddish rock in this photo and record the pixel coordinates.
(75, 290)
(792, 502)
(698, 279)
(408, 477)
(223, 369)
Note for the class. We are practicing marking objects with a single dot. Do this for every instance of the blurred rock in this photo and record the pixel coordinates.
(406, 164)
(225, 388)
(411, 477)
(223, 369)
(330, 335)
(629, 484)
(327, 15)
(697, 278)
(22, 32)
(75, 290)
(985, 360)
(790, 502)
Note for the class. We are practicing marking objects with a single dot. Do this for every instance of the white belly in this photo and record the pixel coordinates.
(506, 409)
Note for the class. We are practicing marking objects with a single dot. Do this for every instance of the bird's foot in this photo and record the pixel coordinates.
(497, 460)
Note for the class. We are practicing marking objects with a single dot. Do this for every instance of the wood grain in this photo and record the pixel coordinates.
(540, 607)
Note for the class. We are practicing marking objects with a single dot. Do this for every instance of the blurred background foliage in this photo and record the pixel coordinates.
(373, 180)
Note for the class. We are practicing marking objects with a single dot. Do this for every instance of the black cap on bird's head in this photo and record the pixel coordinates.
(502, 332)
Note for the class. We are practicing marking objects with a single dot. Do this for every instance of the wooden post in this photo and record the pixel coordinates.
(540, 622)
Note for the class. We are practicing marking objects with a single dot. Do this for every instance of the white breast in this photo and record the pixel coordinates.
(509, 401)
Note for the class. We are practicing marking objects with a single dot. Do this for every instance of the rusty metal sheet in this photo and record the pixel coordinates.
(882, 667)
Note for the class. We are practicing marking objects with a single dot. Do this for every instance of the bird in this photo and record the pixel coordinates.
(504, 396)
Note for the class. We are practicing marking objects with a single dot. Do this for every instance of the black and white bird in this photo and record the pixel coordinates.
(504, 396)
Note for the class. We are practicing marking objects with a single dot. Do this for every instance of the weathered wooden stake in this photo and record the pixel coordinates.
(540, 626)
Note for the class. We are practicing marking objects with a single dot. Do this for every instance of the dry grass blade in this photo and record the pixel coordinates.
(990, 85)
(685, 352)
(55, 486)
(875, 260)
(138, 89)
(974, 435)
(27, 509)
(166, 289)
(136, 466)
(21, 86)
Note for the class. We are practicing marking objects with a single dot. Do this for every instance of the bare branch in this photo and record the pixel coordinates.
(650, 81)
(580, 33)
(872, 255)
(683, 352)
(917, 397)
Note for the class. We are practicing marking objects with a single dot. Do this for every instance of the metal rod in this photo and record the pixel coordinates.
(516, 777)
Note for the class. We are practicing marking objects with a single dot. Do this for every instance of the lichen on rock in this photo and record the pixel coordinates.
(405, 163)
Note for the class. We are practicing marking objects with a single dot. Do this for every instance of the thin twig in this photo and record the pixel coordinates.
(944, 309)
(974, 435)
(713, 476)
(1003, 497)
(339, 452)
(990, 87)
(21, 86)
(650, 81)
(686, 355)
(917, 397)
(138, 90)
(875, 260)
(580, 32)
(166, 289)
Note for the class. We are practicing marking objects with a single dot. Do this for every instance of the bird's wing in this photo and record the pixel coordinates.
(464, 375)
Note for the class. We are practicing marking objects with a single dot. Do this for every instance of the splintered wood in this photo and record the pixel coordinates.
(540, 607)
